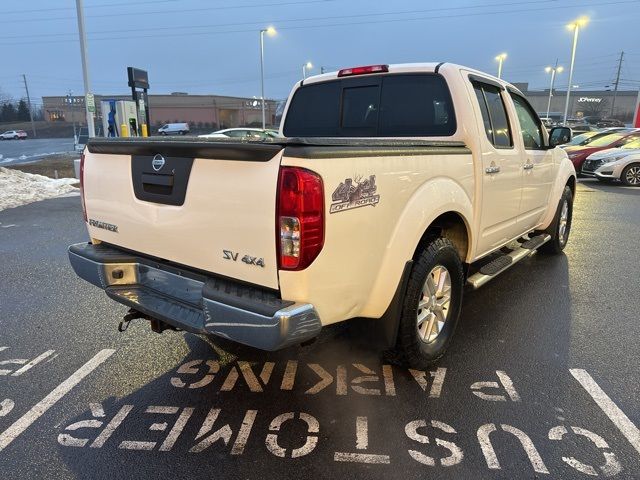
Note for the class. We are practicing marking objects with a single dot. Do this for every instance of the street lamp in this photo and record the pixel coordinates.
(305, 67)
(575, 26)
(271, 32)
(500, 58)
(553, 71)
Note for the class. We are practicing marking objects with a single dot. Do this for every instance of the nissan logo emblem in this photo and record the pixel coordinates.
(158, 162)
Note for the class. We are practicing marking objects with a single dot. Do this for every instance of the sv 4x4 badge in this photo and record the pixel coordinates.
(248, 259)
(354, 193)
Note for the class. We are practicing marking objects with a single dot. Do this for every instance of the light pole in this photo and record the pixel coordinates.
(305, 67)
(553, 71)
(500, 58)
(271, 32)
(575, 25)
(85, 67)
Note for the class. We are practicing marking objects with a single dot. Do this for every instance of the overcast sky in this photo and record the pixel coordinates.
(212, 46)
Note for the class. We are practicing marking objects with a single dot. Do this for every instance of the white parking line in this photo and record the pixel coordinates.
(20, 425)
(611, 410)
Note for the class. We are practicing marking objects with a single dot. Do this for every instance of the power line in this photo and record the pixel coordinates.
(104, 5)
(349, 24)
(284, 21)
(173, 12)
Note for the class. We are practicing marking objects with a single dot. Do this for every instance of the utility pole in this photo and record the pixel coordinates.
(85, 67)
(33, 125)
(615, 90)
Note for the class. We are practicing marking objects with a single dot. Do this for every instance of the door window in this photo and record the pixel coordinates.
(494, 115)
(529, 124)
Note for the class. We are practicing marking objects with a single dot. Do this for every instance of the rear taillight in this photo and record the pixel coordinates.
(84, 207)
(347, 72)
(300, 218)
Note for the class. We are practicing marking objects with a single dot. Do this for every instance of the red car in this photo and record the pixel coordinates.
(578, 154)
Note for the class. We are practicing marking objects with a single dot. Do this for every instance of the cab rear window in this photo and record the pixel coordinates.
(400, 105)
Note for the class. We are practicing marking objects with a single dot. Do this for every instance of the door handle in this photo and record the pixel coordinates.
(528, 166)
(492, 169)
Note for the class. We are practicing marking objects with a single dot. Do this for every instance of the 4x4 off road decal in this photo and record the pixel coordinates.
(354, 193)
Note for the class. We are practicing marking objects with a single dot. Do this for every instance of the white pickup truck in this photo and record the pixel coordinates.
(393, 186)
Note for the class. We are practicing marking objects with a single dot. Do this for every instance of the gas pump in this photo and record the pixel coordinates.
(117, 114)
(139, 79)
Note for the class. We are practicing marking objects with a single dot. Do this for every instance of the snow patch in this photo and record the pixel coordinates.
(19, 188)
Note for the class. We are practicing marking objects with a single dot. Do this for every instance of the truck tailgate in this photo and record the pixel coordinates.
(203, 204)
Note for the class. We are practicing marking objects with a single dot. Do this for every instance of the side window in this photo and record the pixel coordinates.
(236, 133)
(486, 119)
(494, 115)
(529, 124)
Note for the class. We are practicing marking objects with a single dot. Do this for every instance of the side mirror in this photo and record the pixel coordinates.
(559, 136)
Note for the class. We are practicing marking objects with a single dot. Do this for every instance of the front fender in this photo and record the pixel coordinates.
(564, 172)
(435, 197)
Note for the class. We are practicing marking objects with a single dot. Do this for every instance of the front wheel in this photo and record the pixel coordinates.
(561, 225)
(431, 306)
(631, 175)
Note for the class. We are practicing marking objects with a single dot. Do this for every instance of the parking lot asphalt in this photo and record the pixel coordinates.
(21, 151)
(542, 379)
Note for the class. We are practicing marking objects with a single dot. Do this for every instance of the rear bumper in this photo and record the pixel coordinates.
(195, 302)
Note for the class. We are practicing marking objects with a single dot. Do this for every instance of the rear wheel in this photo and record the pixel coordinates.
(16, 137)
(431, 306)
(631, 175)
(561, 226)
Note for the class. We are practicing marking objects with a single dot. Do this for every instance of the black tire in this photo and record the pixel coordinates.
(628, 178)
(412, 349)
(559, 241)
(16, 137)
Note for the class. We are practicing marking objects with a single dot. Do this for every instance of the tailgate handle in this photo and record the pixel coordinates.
(163, 180)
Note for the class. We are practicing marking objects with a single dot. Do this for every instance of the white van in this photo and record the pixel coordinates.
(174, 129)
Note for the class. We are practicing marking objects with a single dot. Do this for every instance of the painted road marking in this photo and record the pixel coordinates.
(611, 410)
(33, 363)
(20, 425)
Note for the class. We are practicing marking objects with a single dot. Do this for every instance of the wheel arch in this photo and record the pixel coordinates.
(439, 207)
(452, 226)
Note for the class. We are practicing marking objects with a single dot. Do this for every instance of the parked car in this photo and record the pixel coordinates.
(587, 137)
(579, 154)
(596, 160)
(13, 135)
(274, 239)
(245, 133)
(626, 169)
(578, 128)
(174, 129)
(610, 122)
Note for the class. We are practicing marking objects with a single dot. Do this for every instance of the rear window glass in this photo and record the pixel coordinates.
(402, 105)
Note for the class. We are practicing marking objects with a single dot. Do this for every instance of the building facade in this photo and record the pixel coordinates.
(200, 111)
(584, 103)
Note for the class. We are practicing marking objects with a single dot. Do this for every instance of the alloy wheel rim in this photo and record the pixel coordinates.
(633, 176)
(564, 219)
(433, 305)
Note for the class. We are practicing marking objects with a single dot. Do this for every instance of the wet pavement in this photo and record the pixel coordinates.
(541, 381)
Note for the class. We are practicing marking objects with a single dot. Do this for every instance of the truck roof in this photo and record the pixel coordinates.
(428, 67)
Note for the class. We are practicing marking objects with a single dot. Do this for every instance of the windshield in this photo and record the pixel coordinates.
(633, 144)
(606, 140)
(581, 139)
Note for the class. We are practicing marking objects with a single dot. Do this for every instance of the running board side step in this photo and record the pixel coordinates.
(503, 262)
